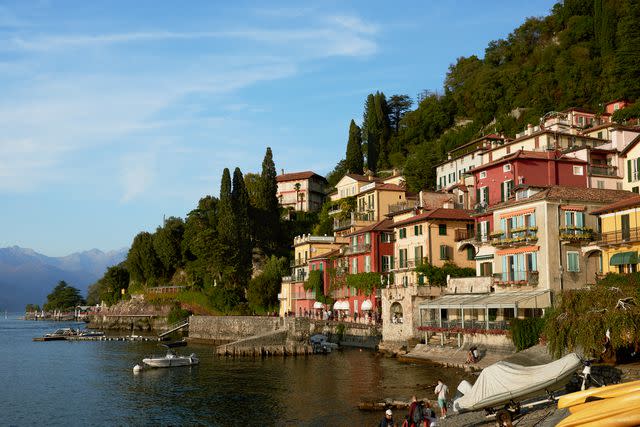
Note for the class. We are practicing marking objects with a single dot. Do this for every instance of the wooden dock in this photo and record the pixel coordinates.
(100, 338)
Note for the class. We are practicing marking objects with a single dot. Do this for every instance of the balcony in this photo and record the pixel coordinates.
(603, 170)
(619, 237)
(359, 249)
(287, 279)
(356, 220)
(461, 235)
(521, 236)
(576, 234)
(408, 264)
(481, 207)
(518, 278)
(298, 262)
(402, 206)
(468, 324)
(281, 296)
(303, 295)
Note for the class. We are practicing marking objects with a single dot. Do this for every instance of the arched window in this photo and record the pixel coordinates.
(396, 313)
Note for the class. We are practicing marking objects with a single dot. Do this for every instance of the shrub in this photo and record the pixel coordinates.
(526, 332)
(177, 313)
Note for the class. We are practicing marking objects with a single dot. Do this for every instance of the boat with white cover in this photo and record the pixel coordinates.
(170, 360)
(503, 383)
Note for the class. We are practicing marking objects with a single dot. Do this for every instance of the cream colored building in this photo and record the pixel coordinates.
(301, 191)
(429, 237)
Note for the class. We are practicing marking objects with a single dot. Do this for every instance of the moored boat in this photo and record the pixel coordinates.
(170, 360)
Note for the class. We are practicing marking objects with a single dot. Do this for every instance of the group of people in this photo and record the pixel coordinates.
(420, 413)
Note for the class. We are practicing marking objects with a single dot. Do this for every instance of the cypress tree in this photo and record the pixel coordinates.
(240, 203)
(227, 237)
(354, 161)
(267, 209)
(369, 132)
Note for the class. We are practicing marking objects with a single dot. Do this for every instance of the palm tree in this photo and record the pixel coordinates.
(297, 188)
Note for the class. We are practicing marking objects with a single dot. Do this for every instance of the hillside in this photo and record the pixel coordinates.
(27, 276)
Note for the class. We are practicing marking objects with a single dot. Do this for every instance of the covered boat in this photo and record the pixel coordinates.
(504, 382)
(170, 360)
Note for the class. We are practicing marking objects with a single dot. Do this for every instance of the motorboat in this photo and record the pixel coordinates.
(321, 344)
(507, 384)
(170, 360)
(89, 333)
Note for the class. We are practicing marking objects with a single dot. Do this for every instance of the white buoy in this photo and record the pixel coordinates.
(137, 368)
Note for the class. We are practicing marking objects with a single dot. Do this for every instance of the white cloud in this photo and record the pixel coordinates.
(137, 173)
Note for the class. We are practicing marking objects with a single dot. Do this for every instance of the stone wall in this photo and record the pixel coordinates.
(408, 298)
(233, 328)
(354, 335)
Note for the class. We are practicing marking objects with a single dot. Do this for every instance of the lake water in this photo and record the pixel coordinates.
(92, 383)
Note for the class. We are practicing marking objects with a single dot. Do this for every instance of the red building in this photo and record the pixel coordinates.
(370, 250)
(494, 182)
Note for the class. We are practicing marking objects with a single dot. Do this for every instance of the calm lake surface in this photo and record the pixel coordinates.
(92, 383)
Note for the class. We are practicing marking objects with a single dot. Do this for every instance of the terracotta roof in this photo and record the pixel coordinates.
(525, 155)
(298, 175)
(629, 202)
(387, 187)
(361, 178)
(440, 213)
(384, 225)
(569, 194)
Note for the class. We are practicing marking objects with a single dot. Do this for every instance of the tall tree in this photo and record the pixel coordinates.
(167, 242)
(63, 297)
(226, 227)
(267, 209)
(240, 203)
(398, 107)
(142, 261)
(375, 127)
(200, 243)
(354, 160)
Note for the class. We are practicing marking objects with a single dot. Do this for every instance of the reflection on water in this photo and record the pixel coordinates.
(81, 383)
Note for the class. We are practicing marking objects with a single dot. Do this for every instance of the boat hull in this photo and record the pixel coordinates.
(170, 362)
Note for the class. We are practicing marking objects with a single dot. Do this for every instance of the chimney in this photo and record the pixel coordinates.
(282, 171)
(529, 129)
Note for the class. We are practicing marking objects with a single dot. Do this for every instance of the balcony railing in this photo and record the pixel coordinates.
(303, 295)
(464, 235)
(297, 262)
(409, 263)
(577, 234)
(515, 237)
(620, 237)
(397, 207)
(516, 278)
(358, 249)
(604, 170)
(287, 279)
(468, 324)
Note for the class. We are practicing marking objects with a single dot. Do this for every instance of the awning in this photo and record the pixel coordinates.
(318, 305)
(520, 250)
(366, 305)
(341, 305)
(517, 213)
(482, 257)
(622, 258)
(508, 299)
(573, 208)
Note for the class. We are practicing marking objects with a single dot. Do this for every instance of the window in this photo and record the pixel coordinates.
(506, 168)
(482, 195)
(321, 267)
(444, 252)
(574, 219)
(367, 264)
(600, 134)
(417, 230)
(600, 184)
(483, 174)
(402, 233)
(442, 229)
(402, 262)
(578, 170)
(367, 238)
(573, 261)
(635, 189)
(354, 266)
(417, 255)
(461, 199)
(387, 262)
(505, 190)
(633, 166)
(354, 241)
(483, 230)
(471, 253)
(618, 186)
(386, 238)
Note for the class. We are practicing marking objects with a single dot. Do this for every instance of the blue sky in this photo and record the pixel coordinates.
(113, 114)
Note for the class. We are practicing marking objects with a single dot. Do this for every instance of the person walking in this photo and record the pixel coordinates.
(442, 390)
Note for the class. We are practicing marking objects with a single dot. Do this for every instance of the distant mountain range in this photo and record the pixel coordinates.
(27, 277)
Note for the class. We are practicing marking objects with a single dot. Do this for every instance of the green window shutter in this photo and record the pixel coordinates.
(502, 191)
(580, 219)
(471, 253)
(420, 280)
(637, 168)
(628, 170)
(477, 195)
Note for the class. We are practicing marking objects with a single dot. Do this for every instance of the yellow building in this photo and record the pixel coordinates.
(430, 237)
(620, 235)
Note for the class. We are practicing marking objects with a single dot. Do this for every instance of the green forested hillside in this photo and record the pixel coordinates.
(583, 54)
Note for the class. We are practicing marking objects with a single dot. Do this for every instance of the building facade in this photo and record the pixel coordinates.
(301, 191)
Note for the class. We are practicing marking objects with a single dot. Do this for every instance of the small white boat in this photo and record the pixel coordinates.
(170, 360)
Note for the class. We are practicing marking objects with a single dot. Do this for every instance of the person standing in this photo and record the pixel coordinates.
(442, 390)
(387, 421)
